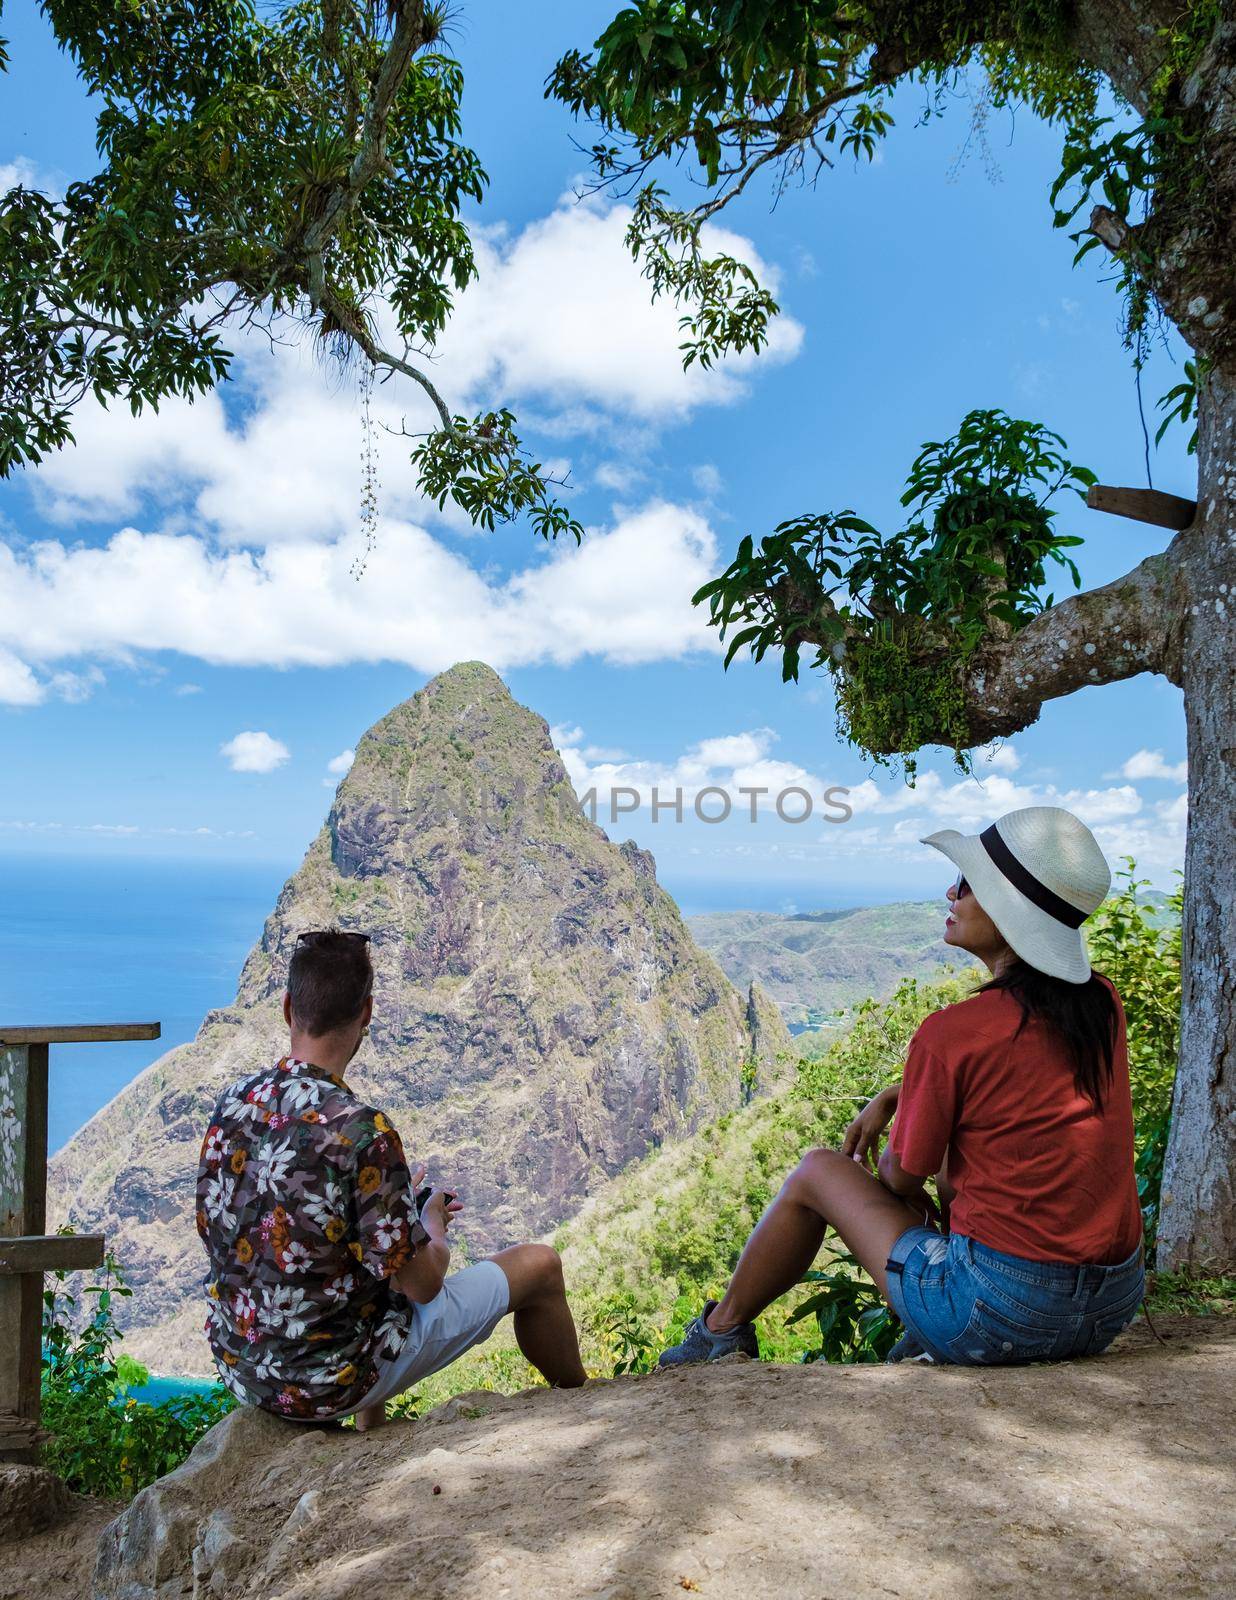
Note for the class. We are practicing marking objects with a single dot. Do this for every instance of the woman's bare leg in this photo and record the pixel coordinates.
(826, 1189)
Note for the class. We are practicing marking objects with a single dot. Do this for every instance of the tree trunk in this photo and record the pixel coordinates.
(1197, 1227)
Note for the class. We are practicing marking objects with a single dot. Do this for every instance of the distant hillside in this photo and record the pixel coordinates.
(813, 964)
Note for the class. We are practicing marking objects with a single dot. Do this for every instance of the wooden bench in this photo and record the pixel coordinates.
(27, 1251)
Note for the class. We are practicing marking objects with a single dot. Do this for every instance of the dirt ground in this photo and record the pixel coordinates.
(56, 1565)
(1109, 1477)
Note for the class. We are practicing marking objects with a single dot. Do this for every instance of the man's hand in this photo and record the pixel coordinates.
(862, 1137)
(438, 1212)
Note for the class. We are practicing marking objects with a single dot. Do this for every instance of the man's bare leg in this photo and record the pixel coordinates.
(826, 1189)
(544, 1327)
(370, 1417)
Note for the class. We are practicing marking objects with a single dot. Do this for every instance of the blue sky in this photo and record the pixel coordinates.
(173, 583)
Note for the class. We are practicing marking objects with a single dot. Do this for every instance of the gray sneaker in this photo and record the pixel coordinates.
(699, 1343)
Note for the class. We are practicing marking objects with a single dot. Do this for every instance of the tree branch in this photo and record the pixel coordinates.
(411, 32)
(802, 128)
(1111, 228)
(1125, 40)
(356, 330)
(1102, 636)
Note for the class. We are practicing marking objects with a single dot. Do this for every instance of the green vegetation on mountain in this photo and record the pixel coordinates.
(816, 964)
(644, 1252)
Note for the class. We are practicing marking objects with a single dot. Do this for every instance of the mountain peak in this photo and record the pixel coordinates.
(542, 1014)
(467, 675)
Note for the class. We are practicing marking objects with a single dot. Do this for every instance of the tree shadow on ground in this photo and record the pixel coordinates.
(1107, 1476)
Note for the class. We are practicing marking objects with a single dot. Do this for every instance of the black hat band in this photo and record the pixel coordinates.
(1022, 879)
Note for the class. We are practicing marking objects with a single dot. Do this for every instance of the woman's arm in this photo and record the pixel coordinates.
(862, 1137)
(909, 1186)
(894, 1176)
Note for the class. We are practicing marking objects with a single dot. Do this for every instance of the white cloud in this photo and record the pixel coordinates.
(708, 480)
(561, 313)
(187, 688)
(889, 819)
(18, 685)
(342, 762)
(23, 172)
(620, 476)
(1150, 764)
(734, 762)
(997, 757)
(75, 686)
(624, 594)
(118, 458)
(968, 803)
(560, 323)
(254, 752)
(123, 829)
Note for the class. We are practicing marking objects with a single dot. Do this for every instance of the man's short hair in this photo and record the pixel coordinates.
(329, 980)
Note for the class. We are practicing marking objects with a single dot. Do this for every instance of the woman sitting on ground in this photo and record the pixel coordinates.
(1017, 1102)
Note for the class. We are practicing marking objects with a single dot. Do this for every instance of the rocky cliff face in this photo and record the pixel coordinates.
(542, 1015)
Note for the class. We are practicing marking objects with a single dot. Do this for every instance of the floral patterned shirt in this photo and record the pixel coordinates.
(305, 1206)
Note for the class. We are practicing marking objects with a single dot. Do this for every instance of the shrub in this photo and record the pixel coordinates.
(104, 1442)
(852, 1321)
(1138, 948)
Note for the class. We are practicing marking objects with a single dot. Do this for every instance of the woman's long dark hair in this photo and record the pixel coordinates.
(1081, 1015)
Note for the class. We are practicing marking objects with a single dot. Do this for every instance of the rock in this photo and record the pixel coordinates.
(179, 1537)
(735, 1477)
(220, 1556)
(465, 1407)
(31, 1499)
(542, 1014)
(296, 1530)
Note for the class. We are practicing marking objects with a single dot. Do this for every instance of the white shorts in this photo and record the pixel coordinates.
(463, 1313)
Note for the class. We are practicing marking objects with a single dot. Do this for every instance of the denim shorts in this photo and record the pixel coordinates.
(969, 1305)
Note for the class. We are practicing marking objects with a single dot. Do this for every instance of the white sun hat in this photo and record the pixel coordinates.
(1038, 873)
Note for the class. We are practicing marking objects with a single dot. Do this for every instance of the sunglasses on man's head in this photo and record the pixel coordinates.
(316, 935)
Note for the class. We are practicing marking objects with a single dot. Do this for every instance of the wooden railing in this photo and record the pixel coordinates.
(27, 1251)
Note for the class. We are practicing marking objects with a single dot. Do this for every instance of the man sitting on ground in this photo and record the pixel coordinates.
(328, 1291)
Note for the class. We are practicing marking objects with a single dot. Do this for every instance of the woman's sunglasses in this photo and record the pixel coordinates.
(961, 887)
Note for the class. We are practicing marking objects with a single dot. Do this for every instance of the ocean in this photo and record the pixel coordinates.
(160, 1390)
(145, 940)
(122, 940)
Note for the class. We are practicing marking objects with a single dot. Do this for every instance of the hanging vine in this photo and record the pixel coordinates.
(369, 474)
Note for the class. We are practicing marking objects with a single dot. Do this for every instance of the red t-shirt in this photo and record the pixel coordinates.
(1037, 1172)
